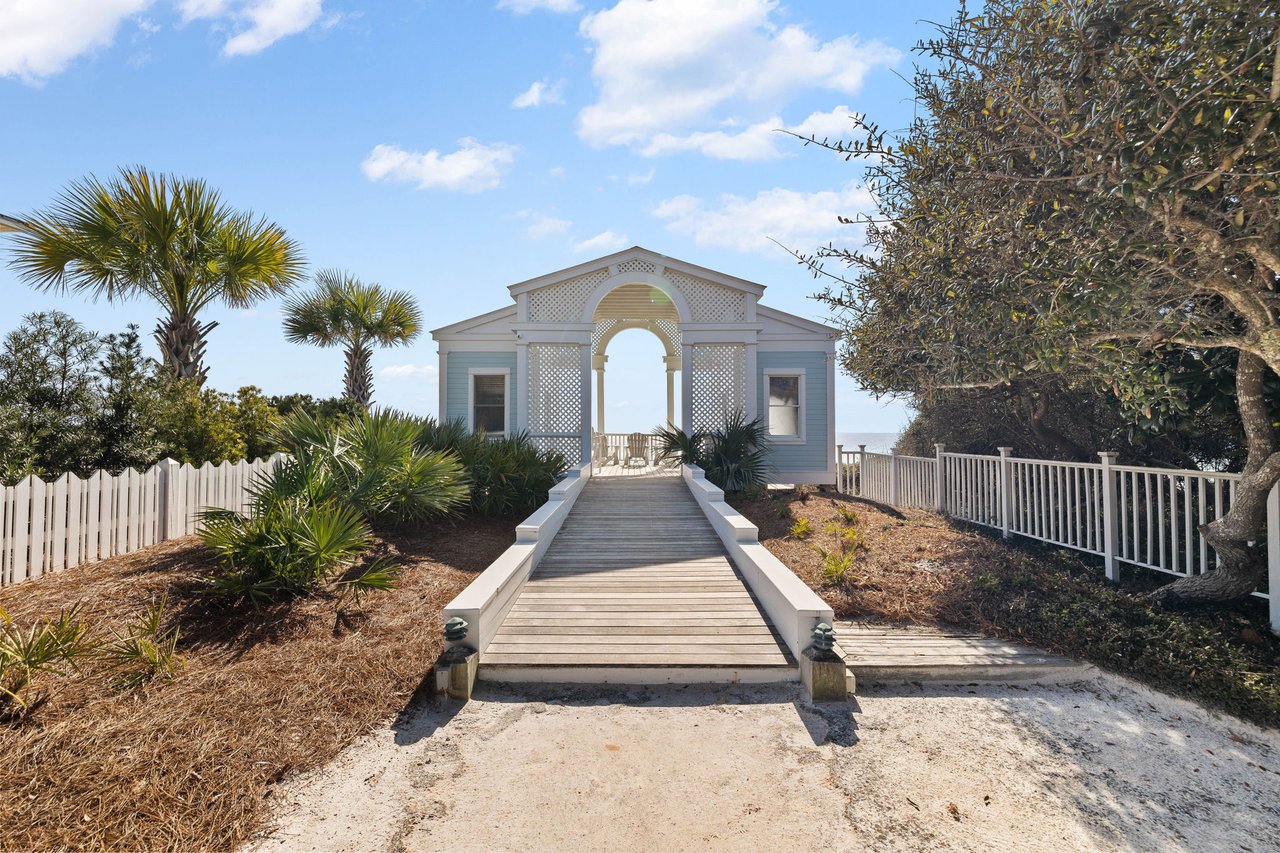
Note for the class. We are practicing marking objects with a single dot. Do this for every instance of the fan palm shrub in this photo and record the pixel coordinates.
(345, 311)
(309, 524)
(161, 236)
(734, 455)
(55, 646)
(506, 475)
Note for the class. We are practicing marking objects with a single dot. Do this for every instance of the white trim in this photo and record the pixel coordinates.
(472, 373)
(765, 313)
(661, 263)
(472, 322)
(442, 377)
(812, 478)
(802, 410)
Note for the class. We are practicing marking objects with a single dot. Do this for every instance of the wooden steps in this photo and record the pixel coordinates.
(636, 588)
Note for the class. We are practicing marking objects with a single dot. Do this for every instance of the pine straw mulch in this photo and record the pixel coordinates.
(189, 764)
(919, 568)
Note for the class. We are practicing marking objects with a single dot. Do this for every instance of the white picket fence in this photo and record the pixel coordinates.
(47, 527)
(1144, 517)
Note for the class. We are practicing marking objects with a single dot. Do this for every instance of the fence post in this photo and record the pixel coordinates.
(862, 463)
(1273, 556)
(167, 500)
(1109, 516)
(940, 479)
(1006, 492)
(840, 469)
(893, 478)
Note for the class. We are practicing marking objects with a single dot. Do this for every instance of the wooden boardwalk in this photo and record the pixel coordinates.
(888, 653)
(636, 577)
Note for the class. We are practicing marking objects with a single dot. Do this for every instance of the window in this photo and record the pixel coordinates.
(489, 402)
(784, 396)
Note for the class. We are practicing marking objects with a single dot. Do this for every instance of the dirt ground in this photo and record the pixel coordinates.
(1103, 764)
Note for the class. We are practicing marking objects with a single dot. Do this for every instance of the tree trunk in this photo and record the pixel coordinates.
(1238, 537)
(359, 376)
(181, 339)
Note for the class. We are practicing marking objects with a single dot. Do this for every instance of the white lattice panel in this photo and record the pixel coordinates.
(637, 265)
(568, 447)
(709, 302)
(717, 380)
(555, 389)
(672, 330)
(601, 329)
(563, 303)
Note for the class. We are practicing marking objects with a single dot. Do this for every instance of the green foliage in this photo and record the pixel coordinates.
(144, 652)
(326, 409)
(123, 424)
(168, 238)
(735, 455)
(48, 397)
(256, 421)
(802, 528)
(195, 424)
(309, 523)
(835, 563)
(506, 475)
(53, 647)
(287, 549)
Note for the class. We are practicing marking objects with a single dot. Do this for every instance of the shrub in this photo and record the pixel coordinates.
(802, 529)
(310, 516)
(506, 475)
(835, 563)
(144, 652)
(735, 455)
(54, 647)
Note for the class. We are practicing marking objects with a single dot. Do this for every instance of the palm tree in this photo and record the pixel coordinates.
(344, 310)
(157, 235)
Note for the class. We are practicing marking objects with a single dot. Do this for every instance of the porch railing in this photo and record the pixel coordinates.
(1148, 518)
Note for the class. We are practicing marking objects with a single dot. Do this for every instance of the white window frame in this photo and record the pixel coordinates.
(504, 372)
(801, 412)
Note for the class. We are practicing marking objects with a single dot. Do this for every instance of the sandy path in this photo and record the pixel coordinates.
(1100, 765)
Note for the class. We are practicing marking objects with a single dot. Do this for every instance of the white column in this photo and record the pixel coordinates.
(597, 364)
(686, 388)
(893, 478)
(862, 469)
(1109, 516)
(585, 351)
(522, 386)
(940, 479)
(672, 363)
(1006, 492)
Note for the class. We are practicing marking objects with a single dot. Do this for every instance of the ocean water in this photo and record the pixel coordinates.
(876, 442)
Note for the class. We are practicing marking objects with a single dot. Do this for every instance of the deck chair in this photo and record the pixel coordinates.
(637, 450)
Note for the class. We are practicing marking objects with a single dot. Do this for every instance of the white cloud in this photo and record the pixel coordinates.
(795, 219)
(556, 171)
(39, 38)
(409, 371)
(673, 68)
(605, 241)
(638, 180)
(524, 7)
(540, 94)
(262, 23)
(472, 168)
(761, 141)
(542, 225)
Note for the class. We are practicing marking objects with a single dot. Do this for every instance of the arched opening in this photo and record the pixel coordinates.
(636, 362)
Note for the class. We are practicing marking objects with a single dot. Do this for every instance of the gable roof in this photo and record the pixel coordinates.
(640, 253)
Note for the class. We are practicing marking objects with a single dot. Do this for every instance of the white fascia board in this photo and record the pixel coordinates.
(454, 329)
(711, 275)
(766, 314)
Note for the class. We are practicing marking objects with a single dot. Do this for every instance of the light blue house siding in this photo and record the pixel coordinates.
(814, 454)
(457, 388)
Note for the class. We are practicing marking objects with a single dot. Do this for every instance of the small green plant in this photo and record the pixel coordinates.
(144, 652)
(835, 563)
(802, 529)
(847, 515)
(53, 647)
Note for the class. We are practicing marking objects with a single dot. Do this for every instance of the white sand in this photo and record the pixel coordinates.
(1098, 765)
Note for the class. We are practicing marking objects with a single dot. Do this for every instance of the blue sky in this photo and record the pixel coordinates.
(452, 148)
